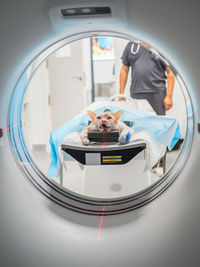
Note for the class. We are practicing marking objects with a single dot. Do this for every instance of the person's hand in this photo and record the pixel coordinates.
(122, 99)
(168, 102)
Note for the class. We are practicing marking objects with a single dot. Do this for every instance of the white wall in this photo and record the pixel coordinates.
(37, 123)
(119, 46)
(86, 70)
(69, 83)
(59, 90)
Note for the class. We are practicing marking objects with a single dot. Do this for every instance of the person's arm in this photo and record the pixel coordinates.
(123, 79)
(168, 100)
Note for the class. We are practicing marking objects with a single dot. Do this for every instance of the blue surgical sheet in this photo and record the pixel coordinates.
(165, 130)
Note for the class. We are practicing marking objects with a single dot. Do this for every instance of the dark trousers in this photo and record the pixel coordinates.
(154, 99)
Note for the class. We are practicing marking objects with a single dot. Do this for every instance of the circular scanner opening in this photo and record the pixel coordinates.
(48, 113)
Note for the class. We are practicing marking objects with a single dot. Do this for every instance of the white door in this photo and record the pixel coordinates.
(70, 81)
(36, 115)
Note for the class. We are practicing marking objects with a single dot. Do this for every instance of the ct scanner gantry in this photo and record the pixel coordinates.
(40, 224)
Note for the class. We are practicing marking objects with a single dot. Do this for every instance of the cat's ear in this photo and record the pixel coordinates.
(91, 114)
(118, 114)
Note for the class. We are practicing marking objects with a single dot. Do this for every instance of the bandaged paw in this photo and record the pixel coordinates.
(124, 138)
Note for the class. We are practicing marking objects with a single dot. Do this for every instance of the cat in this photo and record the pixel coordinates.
(106, 122)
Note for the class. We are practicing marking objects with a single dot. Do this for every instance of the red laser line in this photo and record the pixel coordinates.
(101, 220)
(104, 143)
(4, 130)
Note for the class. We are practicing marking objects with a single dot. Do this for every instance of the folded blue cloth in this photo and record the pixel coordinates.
(159, 127)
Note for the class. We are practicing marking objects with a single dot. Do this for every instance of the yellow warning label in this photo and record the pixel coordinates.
(112, 159)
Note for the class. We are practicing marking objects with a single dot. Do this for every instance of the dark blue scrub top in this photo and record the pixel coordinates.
(148, 71)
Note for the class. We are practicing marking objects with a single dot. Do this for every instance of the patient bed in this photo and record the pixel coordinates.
(107, 170)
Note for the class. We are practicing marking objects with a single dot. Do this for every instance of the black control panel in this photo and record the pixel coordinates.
(106, 157)
(85, 11)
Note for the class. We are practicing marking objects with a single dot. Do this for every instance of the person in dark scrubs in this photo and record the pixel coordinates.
(151, 78)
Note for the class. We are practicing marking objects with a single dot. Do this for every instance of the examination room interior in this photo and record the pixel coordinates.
(65, 84)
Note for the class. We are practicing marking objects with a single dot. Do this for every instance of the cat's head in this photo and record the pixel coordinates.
(106, 121)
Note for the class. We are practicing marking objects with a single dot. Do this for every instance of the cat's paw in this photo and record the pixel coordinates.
(86, 141)
(124, 138)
